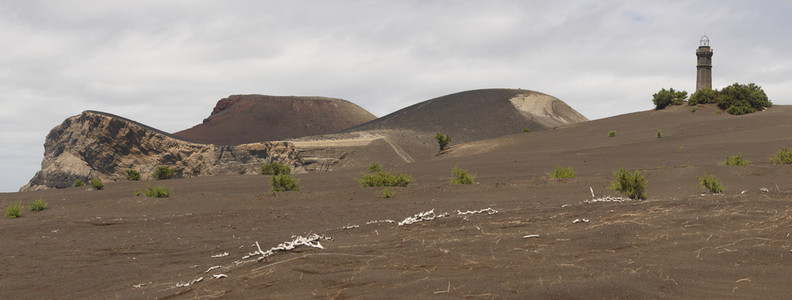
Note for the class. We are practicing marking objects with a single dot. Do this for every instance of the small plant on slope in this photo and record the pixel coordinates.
(710, 183)
(96, 184)
(274, 168)
(284, 183)
(14, 211)
(461, 176)
(612, 133)
(383, 178)
(735, 160)
(632, 184)
(563, 173)
(132, 174)
(156, 192)
(38, 205)
(782, 157)
(526, 130)
(374, 167)
(443, 140)
(78, 182)
(386, 193)
(659, 134)
(162, 173)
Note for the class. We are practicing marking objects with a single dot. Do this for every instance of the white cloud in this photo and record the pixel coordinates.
(165, 63)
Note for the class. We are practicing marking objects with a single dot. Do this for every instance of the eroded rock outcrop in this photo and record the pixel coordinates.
(100, 145)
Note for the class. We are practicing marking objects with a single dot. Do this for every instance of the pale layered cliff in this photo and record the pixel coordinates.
(100, 145)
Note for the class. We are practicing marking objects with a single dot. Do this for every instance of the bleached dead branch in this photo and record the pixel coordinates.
(186, 284)
(421, 217)
(350, 227)
(218, 276)
(580, 221)
(380, 221)
(487, 210)
(606, 199)
(531, 236)
(212, 268)
(309, 241)
(220, 255)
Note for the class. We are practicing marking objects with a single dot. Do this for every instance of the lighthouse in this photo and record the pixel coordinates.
(704, 65)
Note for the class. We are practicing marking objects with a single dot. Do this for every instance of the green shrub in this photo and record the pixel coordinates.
(162, 173)
(782, 157)
(461, 176)
(132, 174)
(14, 211)
(693, 109)
(274, 168)
(374, 167)
(96, 184)
(78, 182)
(659, 134)
(664, 98)
(38, 205)
(155, 192)
(735, 160)
(563, 173)
(386, 193)
(740, 99)
(383, 178)
(612, 133)
(443, 140)
(634, 185)
(710, 183)
(283, 183)
(526, 130)
(703, 96)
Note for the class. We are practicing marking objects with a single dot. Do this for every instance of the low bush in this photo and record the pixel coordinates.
(526, 130)
(14, 211)
(693, 109)
(374, 167)
(96, 184)
(162, 173)
(443, 140)
(133, 174)
(563, 173)
(782, 157)
(387, 193)
(710, 183)
(735, 160)
(155, 192)
(740, 99)
(461, 176)
(38, 205)
(659, 134)
(274, 168)
(703, 96)
(664, 98)
(78, 182)
(632, 184)
(383, 178)
(612, 133)
(283, 183)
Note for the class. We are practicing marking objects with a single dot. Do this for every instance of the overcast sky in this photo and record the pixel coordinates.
(166, 63)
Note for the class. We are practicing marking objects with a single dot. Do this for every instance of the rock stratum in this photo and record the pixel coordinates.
(101, 145)
(242, 119)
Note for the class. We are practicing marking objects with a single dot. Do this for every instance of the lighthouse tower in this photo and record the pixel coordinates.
(704, 65)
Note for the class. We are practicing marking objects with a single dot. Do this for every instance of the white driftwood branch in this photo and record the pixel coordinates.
(531, 236)
(606, 199)
(220, 255)
(580, 221)
(487, 210)
(218, 276)
(421, 217)
(212, 268)
(309, 241)
(350, 227)
(380, 221)
(186, 284)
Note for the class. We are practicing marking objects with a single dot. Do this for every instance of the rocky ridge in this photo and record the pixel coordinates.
(101, 145)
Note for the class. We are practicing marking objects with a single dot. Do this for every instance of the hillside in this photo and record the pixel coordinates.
(514, 234)
(242, 119)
